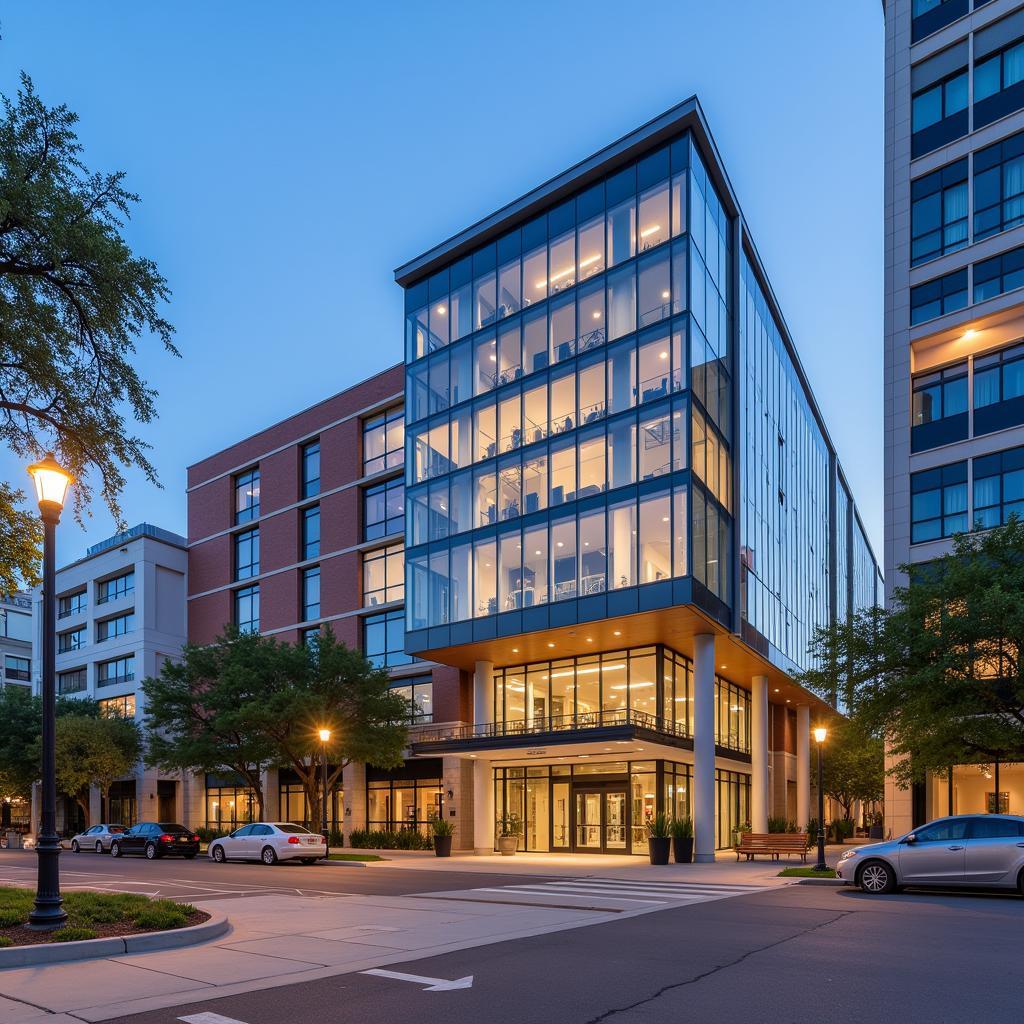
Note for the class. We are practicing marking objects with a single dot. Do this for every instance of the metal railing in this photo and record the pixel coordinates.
(555, 723)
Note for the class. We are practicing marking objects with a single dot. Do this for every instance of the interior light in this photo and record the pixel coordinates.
(663, 355)
(776, 689)
(441, 311)
(551, 645)
(597, 314)
(665, 295)
(969, 333)
(618, 632)
(650, 231)
(589, 260)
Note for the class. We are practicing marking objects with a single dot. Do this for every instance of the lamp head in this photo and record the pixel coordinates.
(52, 482)
(325, 735)
(820, 733)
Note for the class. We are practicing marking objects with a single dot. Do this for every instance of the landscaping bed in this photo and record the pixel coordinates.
(93, 915)
(806, 872)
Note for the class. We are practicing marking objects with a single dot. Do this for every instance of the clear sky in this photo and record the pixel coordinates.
(290, 155)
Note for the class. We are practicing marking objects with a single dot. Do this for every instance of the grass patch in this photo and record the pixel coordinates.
(806, 873)
(91, 914)
(354, 856)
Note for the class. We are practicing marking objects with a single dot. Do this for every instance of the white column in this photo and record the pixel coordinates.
(483, 807)
(483, 693)
(759, 754)
(803, 765)
(95, 805)
(704, 802)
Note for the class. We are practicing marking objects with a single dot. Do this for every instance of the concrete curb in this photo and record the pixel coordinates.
(821, 881)
(349, 863)
(91, 949)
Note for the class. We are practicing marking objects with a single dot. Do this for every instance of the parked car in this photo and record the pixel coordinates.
(156, 839)
(965, 850)
(269, 841)
(97, 838)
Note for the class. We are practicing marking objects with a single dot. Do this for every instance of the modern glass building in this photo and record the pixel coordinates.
(624, 513)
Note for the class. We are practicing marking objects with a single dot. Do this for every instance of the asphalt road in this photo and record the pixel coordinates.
(184, 880)
(794, 954)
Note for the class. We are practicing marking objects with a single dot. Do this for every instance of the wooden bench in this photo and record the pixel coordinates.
(773, 844)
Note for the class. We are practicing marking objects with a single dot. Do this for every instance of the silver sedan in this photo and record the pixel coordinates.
(96, 838)
(966, 850)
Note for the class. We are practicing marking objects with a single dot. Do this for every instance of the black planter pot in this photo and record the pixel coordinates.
(658, 846)
(442, 846)
(682, 850)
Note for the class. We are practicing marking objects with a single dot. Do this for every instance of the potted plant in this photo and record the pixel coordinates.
(875, 827)
(658, 838)
(737, 832)
(510, 828)
(682, 839)
(442, 831)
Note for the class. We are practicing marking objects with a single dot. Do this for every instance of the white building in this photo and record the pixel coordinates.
(15, 640)
(120, 614)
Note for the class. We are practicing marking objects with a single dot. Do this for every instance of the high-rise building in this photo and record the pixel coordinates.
(625, 516)
(954, 312)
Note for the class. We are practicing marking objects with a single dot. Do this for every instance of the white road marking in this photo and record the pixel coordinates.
(209, 1018)
(538, 891)
(432, 984)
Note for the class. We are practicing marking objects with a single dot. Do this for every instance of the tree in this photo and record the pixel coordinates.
(206, 712)
(328, 684)
(73, 301)
(854, 766)
(938, 673)
(94, 751)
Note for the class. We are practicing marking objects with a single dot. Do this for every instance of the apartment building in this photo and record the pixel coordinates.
(15, 670)
(625, 514)
(120, 615)
(954, 312)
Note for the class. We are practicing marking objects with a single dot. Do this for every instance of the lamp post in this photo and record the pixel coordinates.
(819, 735)
(51, 482)
(325, 736)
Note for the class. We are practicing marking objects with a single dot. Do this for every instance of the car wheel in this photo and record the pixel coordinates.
(151, 851)
(876, 878)
(218, 854)
(99, 846)
(268, 856)
(74, 846)
(115, 849)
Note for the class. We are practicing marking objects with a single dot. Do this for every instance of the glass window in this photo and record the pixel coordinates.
(384, 575)
(112, 589)
(107, 629)
(485, 298)
(940, 394)
(69, 604)
(419, 692)
(510, 353)
(510, 421)
(384, 509)
(384, 639)
(535, 566)
(485, 427)
(563, 471)
(461, 313)
(622, 544)
(535, 483)
(939, 296)
(679, 525)
(510, 571)
(74, 681)
(563, 403)
(20, 669)
(535, 413)
(72, 640)
(461, 583)
(655, 441)
(622, 232)
(509, 290)
(116, 671)
(998, 488)
(311, 594)
(461, 369)
(562, 328)
(485, 496)
(118, 707)
(562, 261)
(654, 216)
(622, 377)
(535, 276)
(247, 496)
(485, 577)
(311, 469)
(655, 538)
(622, 452)
(535, 340)
(247, 609)
(590, 376)
(592, 462)
(590, 248)
(621, 285)
(654, 288)
(999, 187)
(655, 365)
(563, 559)
(938, 502)
(938, 213)
(1000, 274)
(593, 552)
(311, 532)
(590, 316)
(510, 488)
(247, 554)
(486, 362)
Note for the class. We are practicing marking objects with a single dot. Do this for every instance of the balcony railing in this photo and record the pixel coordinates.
(555, 723)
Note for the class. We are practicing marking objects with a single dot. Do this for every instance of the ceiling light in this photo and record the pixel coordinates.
(441, 311)
(663, 355)
(650, 231)
(776, 689)
(551, 645)
(618, 632)
(597, 314)
(515, 650)
(665, 295)
(589, 260)
(969, 333)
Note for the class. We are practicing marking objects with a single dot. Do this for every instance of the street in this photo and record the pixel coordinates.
(630, 949)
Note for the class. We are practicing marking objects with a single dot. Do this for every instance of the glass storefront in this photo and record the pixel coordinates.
(229, 802)
(591, 807)
(733, 812)
(410, 797)
(294, 806)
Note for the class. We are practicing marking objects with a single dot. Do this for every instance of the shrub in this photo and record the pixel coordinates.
(335, 838)
(658, 826)
(4, 941)
(207, 835)
(406, 839)
(777, 824)
(102, 908)
(72, 934)
(442, 827)
(682, 828)
(9, 917)
(161, 917)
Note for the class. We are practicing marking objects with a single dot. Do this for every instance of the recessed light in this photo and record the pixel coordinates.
(969, 333)
(787, 700)
(776, 689)
(590, 639)
(551, 645)
(515, 650)
(618, 632)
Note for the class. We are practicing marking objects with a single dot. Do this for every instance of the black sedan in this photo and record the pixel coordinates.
(156, 839)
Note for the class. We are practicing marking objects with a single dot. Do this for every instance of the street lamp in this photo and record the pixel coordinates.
(325, 737)
(819, 735)
(52, 484)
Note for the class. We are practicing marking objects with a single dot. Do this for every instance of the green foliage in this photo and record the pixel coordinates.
(72, 934)
(779, 825)
(442, 827)
(207, 835)
(74, 300)
(659, 826)
(510, 825)
(681, 828)
(335, 837)
(21, 538)
(161, 917)
(806, 872)
(939, 673)
(10, 916)
(406, 839)
(4, 941)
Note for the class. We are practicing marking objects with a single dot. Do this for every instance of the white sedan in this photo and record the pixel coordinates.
(269, 841)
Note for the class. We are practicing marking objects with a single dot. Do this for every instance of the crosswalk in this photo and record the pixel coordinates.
(607, 894)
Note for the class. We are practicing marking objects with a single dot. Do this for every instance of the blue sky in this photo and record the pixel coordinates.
(289, 156)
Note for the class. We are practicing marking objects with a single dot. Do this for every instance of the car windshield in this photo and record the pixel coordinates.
(294, 829)
(174, 829)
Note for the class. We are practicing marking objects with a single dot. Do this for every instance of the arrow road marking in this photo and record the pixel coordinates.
(432, 984)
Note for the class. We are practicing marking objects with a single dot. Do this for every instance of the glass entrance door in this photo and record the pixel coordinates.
(601, 824)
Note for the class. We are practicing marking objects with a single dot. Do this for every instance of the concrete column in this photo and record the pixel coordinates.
(483, 692)
(95, 805)
(803, 765)
(759, 754)
(353, 779)
(704, 802)
(271, 794)
(483, 807)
